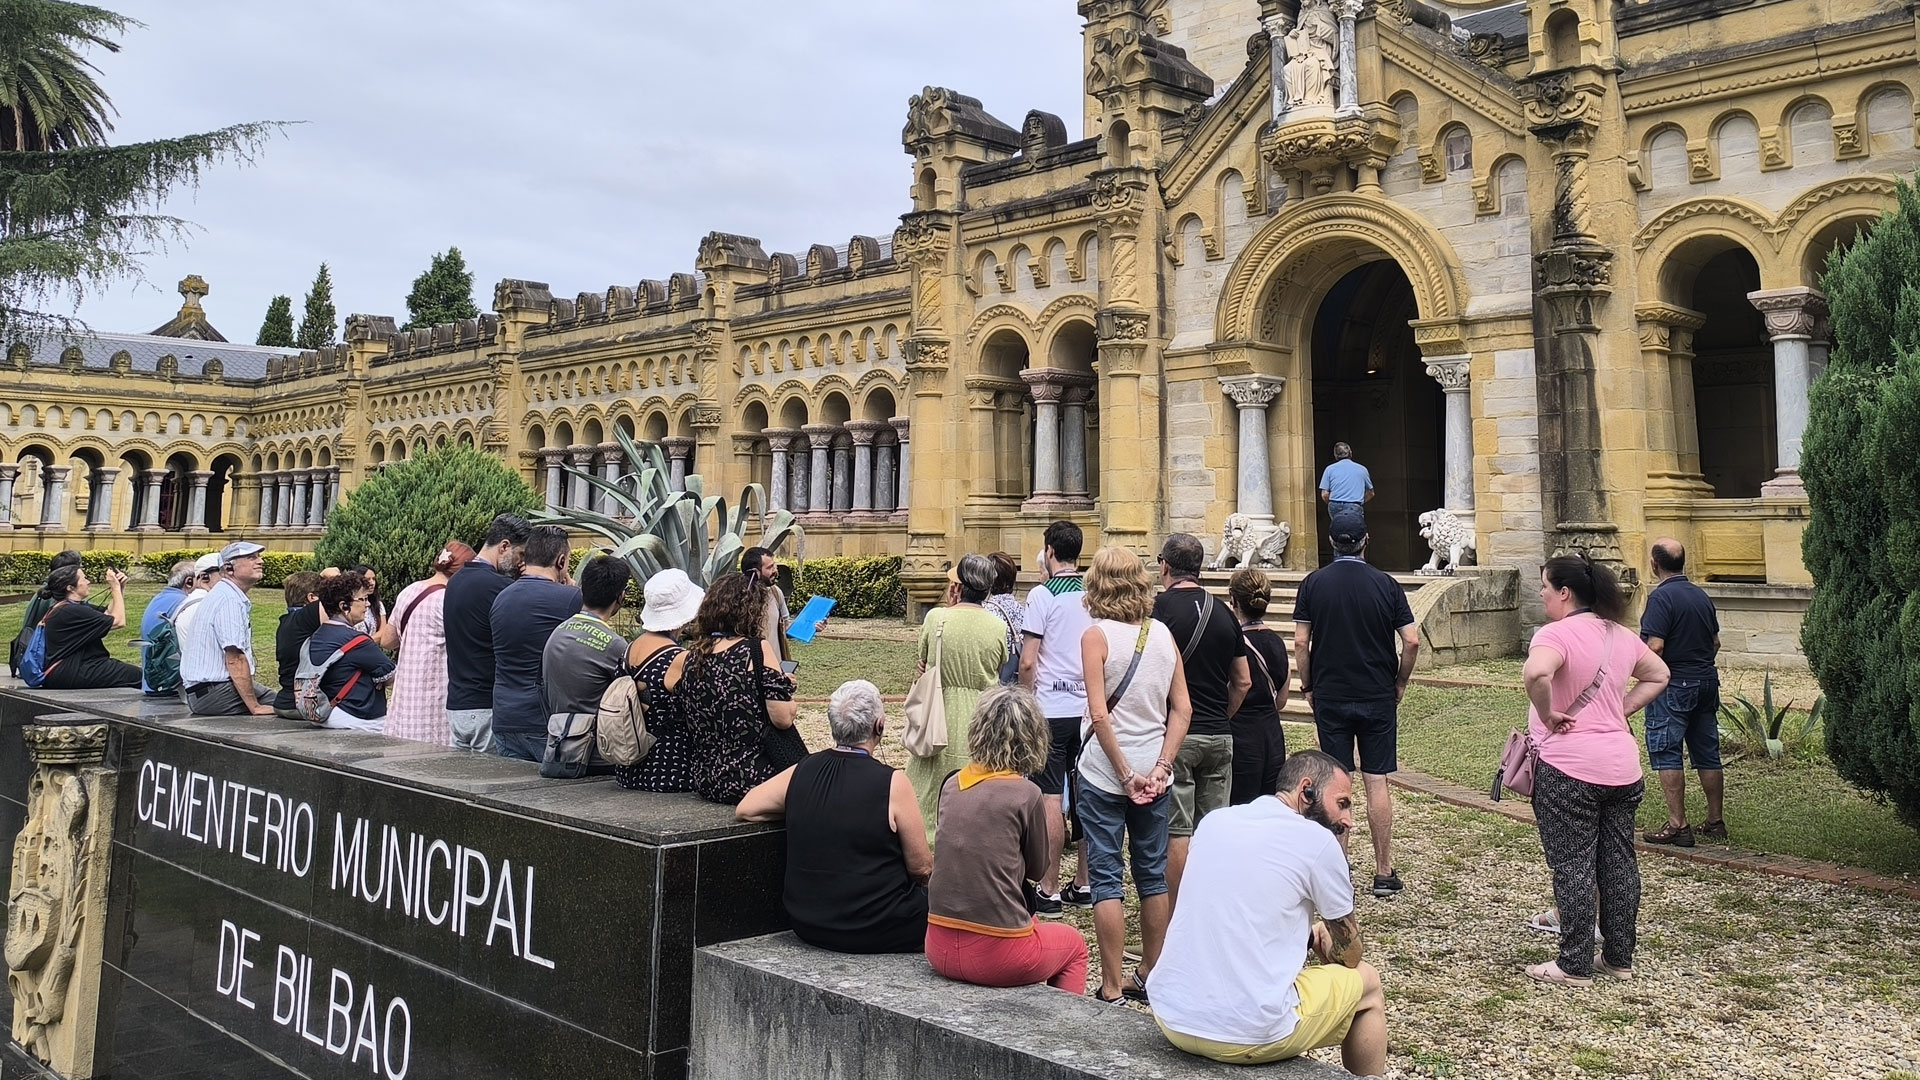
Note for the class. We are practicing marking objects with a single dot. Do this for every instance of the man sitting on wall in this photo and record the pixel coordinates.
(216, 651)
(1232, 983)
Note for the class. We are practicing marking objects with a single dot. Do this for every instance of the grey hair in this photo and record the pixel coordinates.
(1342, 451)
(854, 712)
(181, 573)
(976, 578)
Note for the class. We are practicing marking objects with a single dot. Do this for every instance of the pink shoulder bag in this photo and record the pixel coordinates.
(1522, 754)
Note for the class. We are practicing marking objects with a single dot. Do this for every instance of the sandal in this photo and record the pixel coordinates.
(1105, 1000)
(1551, 974)
(1601, 966)
(1135, 988)
(1548, 922)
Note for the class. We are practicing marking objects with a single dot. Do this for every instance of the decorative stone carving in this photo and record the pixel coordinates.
(1447, 535)
(1247, 541)
(1312, 64)
(1846, 139)
(56, 901)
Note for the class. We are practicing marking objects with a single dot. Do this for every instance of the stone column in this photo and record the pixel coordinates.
(1278, 26)
(100, 499)
(1251, 395)
(550, 464)
(886, 488)
(800, 474)
(863, 433)
(842, 475)
(317, 499)
(283, 509)
(613, 461)
(1073, 440)
(581, 458)
(1790, 315)
(333, 489)
(779, 441)
(197, 502)
(297, 515)
(8, 474)
(1348, 10)
(150, 509)
(1455, 376)
(1046, 393)
(679, 450)
(53, 496)
(820, 438)
(903, 468)
(1819, 347)
(59, 939)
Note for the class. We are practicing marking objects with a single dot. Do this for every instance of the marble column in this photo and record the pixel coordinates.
(779, 441)
(297, 515)
(1819, 348)
(1278, 26)
(1348, 10)
(1073, 438)
(886, 489)
(1251, 395)
(150, 508)
(317, 499)
(550, 464)
(53, 496)
(8, 474)
(863, 433)
(820, 440)
(197, 502)
(903, 467)
(1790, 315)
(333, 490)
(679, 450)
(1046, 391)
(100, 499)
(613, 463)
(283, 507)
(1455, 376)
(581, 458)
(842, 475)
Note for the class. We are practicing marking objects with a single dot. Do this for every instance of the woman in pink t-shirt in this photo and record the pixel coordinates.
(1588, 784)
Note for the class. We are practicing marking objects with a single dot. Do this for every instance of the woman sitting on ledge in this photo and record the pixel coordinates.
(857, 855)
(731, 691)
(77, 657)
(993, 840)
(356, 683)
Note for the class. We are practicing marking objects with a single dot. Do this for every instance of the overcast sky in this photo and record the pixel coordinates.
(583, 143)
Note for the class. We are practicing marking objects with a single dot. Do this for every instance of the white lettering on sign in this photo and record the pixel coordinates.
(349, 1023)
(260, 826)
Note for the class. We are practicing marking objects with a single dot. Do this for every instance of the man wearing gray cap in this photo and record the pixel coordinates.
(216, 651)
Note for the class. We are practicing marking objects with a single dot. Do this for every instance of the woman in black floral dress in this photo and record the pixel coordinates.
(730, 686)
(672, 602)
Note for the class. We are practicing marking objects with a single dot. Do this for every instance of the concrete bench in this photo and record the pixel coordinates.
(772, 1007)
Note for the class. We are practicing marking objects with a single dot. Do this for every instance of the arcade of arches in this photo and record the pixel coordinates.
(1556, 285)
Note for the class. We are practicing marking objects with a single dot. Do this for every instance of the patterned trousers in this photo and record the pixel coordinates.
(1587, 832)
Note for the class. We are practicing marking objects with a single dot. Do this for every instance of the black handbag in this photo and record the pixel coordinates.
(780, 748)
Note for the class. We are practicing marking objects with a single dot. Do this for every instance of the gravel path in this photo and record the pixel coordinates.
(1739, 974)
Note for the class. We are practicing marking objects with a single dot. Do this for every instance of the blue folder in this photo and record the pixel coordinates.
(807, 623)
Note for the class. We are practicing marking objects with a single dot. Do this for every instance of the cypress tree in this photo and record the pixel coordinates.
(277, 327)
(1862, 545)
(318, 322)
(443, 294)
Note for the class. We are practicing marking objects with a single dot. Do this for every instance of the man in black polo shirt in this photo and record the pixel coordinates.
(1681, 626)
(1344, 622)
(468, 616)
(1215, 657)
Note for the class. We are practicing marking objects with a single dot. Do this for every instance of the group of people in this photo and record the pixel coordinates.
(1135, 710)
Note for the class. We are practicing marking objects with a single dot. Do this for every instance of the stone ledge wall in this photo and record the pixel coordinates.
(1760, 624)
(1474, 615)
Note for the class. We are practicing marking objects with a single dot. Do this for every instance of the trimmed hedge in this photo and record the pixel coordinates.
(864, 588)
(30, 567)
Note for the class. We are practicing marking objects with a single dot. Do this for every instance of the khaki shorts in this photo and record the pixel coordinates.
(1329, 996)
(1202, 780)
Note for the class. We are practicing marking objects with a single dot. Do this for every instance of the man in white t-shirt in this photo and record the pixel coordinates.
(1050, 667)
(206, 574)
(1232, 983)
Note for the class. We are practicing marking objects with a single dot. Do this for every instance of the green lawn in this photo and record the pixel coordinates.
(1794, 806)
(268, 606)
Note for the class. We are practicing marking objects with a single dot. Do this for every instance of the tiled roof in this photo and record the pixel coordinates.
(97, 349)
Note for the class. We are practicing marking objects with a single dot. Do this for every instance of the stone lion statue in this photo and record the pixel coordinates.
(1246, 542)
(1446, 535)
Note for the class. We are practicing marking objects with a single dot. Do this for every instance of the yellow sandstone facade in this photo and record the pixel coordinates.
(1550, 267)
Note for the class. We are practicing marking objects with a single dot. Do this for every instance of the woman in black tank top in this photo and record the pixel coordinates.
(857, 857)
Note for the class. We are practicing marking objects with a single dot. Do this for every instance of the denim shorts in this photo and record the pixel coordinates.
(1103, 818)
(1686, 713)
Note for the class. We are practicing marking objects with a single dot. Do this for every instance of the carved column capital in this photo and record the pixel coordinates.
(1042, 384)
(581, 457)
(1253, 391)
(780, 439)
(677, 446)
(1790, 313)
(864, 432)
(821, 436)
(1453, 373)
(902, 427)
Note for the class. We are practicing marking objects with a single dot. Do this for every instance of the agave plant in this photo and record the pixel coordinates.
(654, 527)
(1763, 725)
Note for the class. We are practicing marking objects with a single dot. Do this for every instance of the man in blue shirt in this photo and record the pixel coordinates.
(1346, 487)
(179, 582)
(1681, 626)
(523, 616)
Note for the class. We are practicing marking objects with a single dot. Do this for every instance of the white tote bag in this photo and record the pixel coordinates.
(926, 734)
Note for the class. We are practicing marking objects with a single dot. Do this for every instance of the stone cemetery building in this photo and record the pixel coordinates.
(1550, 267)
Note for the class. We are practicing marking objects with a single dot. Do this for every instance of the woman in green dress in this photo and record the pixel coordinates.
(970, 644)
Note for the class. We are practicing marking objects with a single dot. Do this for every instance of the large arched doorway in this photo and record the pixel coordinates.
(1370, 389)
(1732, 378)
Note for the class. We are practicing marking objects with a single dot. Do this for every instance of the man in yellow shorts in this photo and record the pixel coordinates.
(1233, 983)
